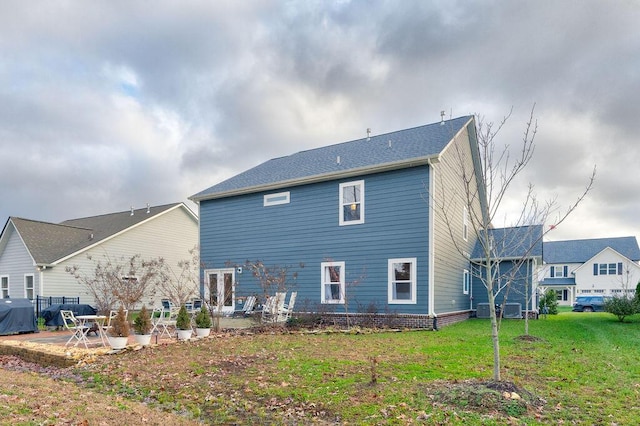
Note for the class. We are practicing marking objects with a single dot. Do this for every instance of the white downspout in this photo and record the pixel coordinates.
(432, 257)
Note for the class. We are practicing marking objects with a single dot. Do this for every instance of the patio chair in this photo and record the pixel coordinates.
(272, 306)
(165, 321)
(73, 325)
(285, 312)
(247, 309)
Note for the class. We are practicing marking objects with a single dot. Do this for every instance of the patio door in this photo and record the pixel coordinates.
(219, 289)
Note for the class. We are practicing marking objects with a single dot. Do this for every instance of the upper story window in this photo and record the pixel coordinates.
(333, 285)
(465, 224)
(277, 199)
(28, 286)
(607, 268)
(402, 281)
(352, 203)
(4, 286)
(559, 271)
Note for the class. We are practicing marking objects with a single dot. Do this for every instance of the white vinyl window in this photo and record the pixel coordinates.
(333, 286)
(28, 286)
(351, 203)
(277, 199)
(4, 286)
(402, 281)
(466, 280)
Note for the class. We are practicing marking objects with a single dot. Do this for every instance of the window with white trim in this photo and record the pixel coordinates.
(402, 281)
(4, 286)
(466, 280)
(28, 286)
(559, 271)
(333, 285)
(277, 199)
(351, 203)
(465, 224)
(607, 268)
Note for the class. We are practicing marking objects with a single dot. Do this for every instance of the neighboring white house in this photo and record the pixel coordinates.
(34, 254)
(607, 266)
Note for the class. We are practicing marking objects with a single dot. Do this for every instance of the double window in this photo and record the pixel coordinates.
(4, 286)
(351, 203)
(333, 285)
(559, 271)
(402, 281)
(607, 268)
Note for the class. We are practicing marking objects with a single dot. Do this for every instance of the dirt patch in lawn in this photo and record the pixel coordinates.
(486, 397)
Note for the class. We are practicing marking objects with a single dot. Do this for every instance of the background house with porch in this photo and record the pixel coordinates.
(607, 266)
(34, 254)
(358, 222)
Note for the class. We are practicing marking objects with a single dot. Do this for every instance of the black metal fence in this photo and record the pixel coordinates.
(44, 302)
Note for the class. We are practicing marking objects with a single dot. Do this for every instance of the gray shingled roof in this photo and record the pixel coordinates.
(514, 242)
(396, 148)
(49, 242)
(580, 251)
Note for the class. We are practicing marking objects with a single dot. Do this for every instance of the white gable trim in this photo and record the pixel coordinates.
(5, 239)
(85, 249)
(589, 261)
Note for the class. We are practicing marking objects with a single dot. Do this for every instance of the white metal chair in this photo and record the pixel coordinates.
(165, 320)
(247, 308)
(73, 325)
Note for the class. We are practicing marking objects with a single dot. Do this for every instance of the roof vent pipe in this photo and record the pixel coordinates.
(338, 159)
(442, 113)
(368, 134)
(148, 209)
(131, 210)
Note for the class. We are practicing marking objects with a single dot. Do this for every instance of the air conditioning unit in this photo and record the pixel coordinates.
(482, 310)
(512, 310)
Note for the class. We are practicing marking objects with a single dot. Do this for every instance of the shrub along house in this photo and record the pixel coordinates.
(363, 219)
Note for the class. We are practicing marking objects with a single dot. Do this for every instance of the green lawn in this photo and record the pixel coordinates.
(585, 368)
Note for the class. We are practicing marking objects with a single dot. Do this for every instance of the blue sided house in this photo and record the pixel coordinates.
(375, 227)
(515, 257)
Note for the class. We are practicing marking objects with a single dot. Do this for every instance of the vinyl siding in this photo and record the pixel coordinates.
(449, 204)
(521, 287)
(15, 262)
(306, 231)
(170, 235)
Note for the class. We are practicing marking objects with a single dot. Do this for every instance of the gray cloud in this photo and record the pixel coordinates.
(111, 104)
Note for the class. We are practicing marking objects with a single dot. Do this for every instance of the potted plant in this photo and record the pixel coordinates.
(119, 330)
(203, 322)
(183, 324)
(142, 327)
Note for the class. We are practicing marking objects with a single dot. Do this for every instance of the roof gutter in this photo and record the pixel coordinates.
(419, 161)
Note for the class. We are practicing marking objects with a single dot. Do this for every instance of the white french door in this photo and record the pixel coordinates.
(219, 289)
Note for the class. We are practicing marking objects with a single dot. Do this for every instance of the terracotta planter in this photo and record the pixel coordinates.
(203, 332)
(118, 342)
(184, 334)
(143, 339)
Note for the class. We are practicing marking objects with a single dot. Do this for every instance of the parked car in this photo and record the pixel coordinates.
(589, 304)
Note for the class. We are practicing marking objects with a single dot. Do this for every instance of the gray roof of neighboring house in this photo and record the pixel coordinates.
(392, 150)
(513, 242)
(580, 251)
(49, 242)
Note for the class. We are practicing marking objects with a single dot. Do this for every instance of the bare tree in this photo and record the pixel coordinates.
(125, 281)
(486, 184)
(182, 284)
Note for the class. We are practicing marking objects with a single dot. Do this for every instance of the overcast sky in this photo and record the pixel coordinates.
(112, 104)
